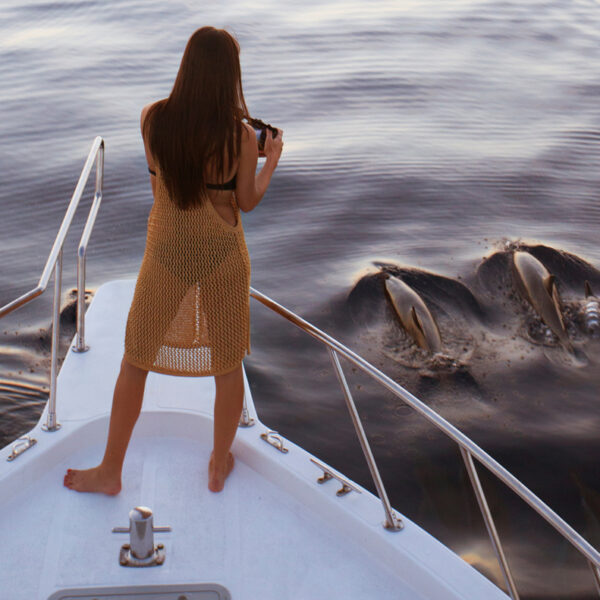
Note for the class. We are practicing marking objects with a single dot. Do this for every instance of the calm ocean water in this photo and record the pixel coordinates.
(433, 136)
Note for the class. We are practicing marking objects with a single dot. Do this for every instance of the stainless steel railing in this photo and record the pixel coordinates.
(468, 449)
(54, 261)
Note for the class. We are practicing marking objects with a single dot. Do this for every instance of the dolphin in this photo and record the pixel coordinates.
(413, 314)
(539, 287)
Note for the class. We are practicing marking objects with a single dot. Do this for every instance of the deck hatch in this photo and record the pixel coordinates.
(193, 591)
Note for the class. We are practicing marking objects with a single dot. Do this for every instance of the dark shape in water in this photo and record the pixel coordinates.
(569, 269)
(366, 301)
(494, 272)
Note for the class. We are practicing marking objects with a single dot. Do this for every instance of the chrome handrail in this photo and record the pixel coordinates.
(467, 447)
(54, 261)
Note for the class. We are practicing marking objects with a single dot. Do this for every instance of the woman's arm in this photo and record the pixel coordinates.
(250, 188)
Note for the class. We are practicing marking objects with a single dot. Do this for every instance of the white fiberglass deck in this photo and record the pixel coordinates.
(273, 532)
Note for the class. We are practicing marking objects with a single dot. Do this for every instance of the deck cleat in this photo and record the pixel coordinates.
(141, 551)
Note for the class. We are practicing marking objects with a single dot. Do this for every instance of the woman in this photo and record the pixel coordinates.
(190, 311)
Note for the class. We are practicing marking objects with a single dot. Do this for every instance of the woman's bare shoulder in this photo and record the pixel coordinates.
(247, 132)
(143, 115)
(146, 108)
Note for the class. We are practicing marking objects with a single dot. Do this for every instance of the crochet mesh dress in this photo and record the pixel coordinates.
(190, 313)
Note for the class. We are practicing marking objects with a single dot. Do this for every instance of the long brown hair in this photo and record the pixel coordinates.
(201, 118)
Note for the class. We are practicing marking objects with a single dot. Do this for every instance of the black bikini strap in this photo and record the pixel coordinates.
(229, 185)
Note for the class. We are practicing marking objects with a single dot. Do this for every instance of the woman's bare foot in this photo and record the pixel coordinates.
(92, 480)
(216, 477)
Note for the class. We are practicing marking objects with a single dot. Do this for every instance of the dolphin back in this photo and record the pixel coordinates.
(539, 287)
(414, 315)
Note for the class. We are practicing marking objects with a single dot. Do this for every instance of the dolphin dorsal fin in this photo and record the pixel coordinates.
(588, 289)
(415, 317)
(549, 283)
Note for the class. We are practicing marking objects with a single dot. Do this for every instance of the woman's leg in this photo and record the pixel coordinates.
(229, 401)
(127, 403)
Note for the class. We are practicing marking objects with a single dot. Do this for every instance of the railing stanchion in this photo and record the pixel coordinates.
(80, 345)
(489, 523)
(392, 522)
(245, 420)
(51, 422)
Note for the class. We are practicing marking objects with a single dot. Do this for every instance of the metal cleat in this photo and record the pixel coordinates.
(141, 551)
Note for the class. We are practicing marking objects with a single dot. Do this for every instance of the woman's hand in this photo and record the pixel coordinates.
(273, 146)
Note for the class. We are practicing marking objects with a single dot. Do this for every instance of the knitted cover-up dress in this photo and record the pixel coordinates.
(190, 313)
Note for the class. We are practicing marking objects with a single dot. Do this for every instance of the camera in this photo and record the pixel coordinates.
(260, 128)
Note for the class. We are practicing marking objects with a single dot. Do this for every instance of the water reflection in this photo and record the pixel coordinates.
(420, 134)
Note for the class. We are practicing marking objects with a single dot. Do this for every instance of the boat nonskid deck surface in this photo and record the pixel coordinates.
(273, 532)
